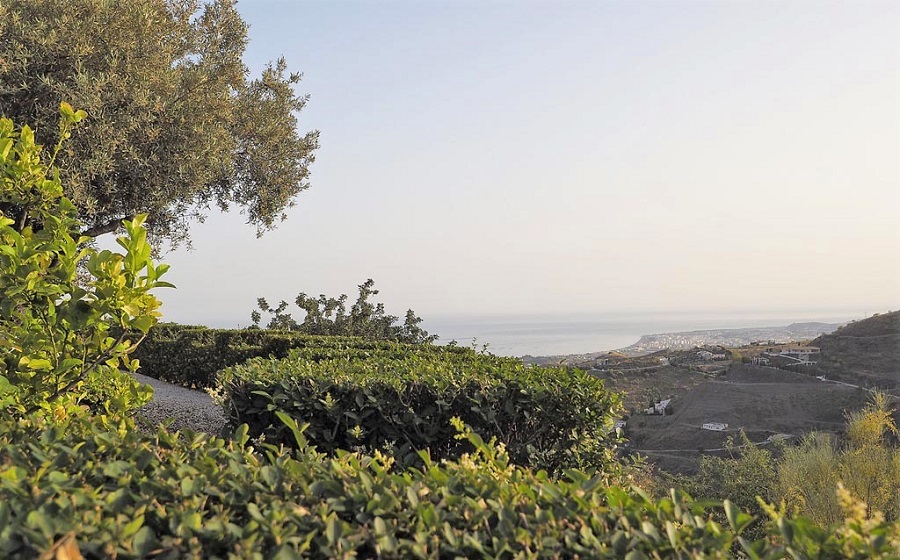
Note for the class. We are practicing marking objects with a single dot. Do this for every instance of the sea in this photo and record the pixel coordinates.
(582, 333)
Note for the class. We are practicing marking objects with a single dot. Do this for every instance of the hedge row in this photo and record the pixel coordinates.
(402, 398)
(190, 356)
(112, 492)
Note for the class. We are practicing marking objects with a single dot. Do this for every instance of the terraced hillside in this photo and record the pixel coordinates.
(762, 401)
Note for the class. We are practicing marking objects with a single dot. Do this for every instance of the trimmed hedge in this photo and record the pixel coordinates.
(402, 397)
(190, 356)
(111, 491)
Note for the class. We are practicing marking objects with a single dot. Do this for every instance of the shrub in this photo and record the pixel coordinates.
(402, 397)
(867, 464)
(191, 355)
(747, 472)
(54, 330)
(112, 492)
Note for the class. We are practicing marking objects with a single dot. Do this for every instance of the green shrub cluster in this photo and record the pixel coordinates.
(402, 397)
(56, 348)
(190, 355)
(116, 493)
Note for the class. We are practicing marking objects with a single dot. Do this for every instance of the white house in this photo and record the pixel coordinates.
(714, 426)
(800, 353)
(658, 408)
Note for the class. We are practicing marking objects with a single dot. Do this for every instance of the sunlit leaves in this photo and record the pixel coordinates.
(55, 332)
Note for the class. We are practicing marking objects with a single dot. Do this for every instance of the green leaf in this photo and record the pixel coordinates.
(42, 522)
(292, 426)
(192, 521)
(254, 512)
(132, 527)
(144, 541)
(66, 110)
(731, 512)
(333, 530)
(39, 364)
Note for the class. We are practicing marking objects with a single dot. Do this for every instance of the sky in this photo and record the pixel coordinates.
(556, 157)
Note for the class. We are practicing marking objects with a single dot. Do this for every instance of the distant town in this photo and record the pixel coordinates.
(730, 338)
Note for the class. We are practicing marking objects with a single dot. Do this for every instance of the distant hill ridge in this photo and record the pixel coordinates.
(880, 324)
(865, 352)
(728, 337)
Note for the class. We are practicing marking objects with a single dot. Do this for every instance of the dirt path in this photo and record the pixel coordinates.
(190, 409)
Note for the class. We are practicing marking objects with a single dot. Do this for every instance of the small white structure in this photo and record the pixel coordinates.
(664, 361)
(800, 353)
(661, 406)
(714, 426)
(620, 424)
(705, 355)
(658, 408)
(719, 357)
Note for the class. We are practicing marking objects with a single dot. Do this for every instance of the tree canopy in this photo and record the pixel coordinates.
(177, 124)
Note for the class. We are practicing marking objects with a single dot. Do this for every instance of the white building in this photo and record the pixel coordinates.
(658, 408)
(800, 353)
(714, 426)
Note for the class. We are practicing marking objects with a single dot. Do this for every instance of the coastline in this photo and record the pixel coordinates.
(561, 336)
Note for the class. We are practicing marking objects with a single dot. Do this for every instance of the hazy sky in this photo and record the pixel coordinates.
(528, 157)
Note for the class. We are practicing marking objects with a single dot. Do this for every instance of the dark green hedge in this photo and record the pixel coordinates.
(402, 397)
(190, 356)
(115, 493)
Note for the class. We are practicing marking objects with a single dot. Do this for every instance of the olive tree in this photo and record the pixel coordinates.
(178, 125)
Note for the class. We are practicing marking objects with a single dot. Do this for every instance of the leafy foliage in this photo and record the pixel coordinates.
(54, 333)
(746, 475)
(180, 125)
(111, 491)
(865, 468)
(402, 397)
(329, 316)
(867, 465)
(191, 356)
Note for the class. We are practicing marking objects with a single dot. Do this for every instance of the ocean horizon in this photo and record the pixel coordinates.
(551, 335)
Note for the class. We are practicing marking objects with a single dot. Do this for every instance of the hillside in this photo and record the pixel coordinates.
(863, 352)
(759, 400)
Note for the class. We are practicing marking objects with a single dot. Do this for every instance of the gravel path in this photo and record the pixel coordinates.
(190, 409)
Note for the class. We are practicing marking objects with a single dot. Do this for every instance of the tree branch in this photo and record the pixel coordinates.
(107, 227)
